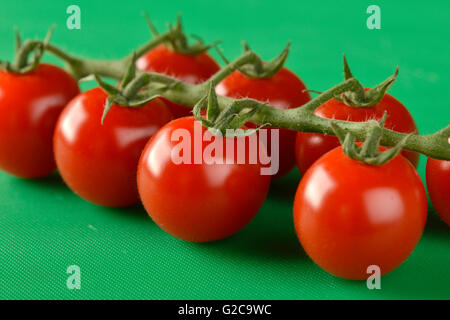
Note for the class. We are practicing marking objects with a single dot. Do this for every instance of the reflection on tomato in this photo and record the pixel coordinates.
(349, 215)
(198, 200)
(29, 108)
(284, 90)
(192, 69)
(311, 146)
(99, 162)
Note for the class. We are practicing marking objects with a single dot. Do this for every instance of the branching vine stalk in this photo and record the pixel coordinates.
(302, 118)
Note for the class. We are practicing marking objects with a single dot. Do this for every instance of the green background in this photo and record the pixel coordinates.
(44, 227)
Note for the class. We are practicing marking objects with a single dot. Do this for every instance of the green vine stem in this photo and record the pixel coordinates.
(81, 68)
(300, 119)
(21, 63)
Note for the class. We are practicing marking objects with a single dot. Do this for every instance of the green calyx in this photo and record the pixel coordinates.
(178, 41)
(231, 117)
(362, 98)
(21, 63)
(369, 151)
(129, 93)
(258, 68)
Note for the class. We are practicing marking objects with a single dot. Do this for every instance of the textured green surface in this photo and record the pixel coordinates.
(44, 228)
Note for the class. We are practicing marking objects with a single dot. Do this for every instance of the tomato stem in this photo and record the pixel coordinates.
(369, 152)
(300, 119)
(360, 98)
(261, 69)
(248, 57)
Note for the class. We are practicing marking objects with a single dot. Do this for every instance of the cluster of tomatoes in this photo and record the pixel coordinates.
(348, 215)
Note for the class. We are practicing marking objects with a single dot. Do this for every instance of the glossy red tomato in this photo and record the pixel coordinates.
(198, 200)
(438, 184)
(349, 215)
(311, 146)
(29, 108)
(99, 162)
(284, 90)
(192, 69)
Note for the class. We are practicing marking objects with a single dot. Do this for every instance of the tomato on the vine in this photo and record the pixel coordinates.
(311, 146)
(438, 184)
(284, 90)
(192, 69)
(30, 104)
(99, 161)
(349, 215)
(199, 200)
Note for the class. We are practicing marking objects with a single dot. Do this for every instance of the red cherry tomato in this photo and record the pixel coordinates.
(311, 146)
(188, 68)
(349, 215)
(29, 108)
(284, 90)
(99, 162)
(198, 201)
(438, 184)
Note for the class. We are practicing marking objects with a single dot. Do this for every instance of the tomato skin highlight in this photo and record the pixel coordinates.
(188, 68)
(99, 162)
(198, 201)
(284, 90)
(311, 146)
(349, 215)
(438, 184)
(29, 106)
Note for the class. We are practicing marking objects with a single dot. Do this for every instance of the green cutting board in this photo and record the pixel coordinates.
(45, 228)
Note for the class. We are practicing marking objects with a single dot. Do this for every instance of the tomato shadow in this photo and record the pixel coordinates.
(136, 213)
(51, 182)
(270, 236)
(54, 184)
(285, 187)
(435, 225)
(417, 278)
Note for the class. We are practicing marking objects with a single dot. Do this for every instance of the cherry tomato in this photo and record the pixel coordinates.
(311, 146)
(198, 201)
(349, 215)
(188, 68)
(284, 90)
(29, 107)
(99, 162)
(438, 184)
